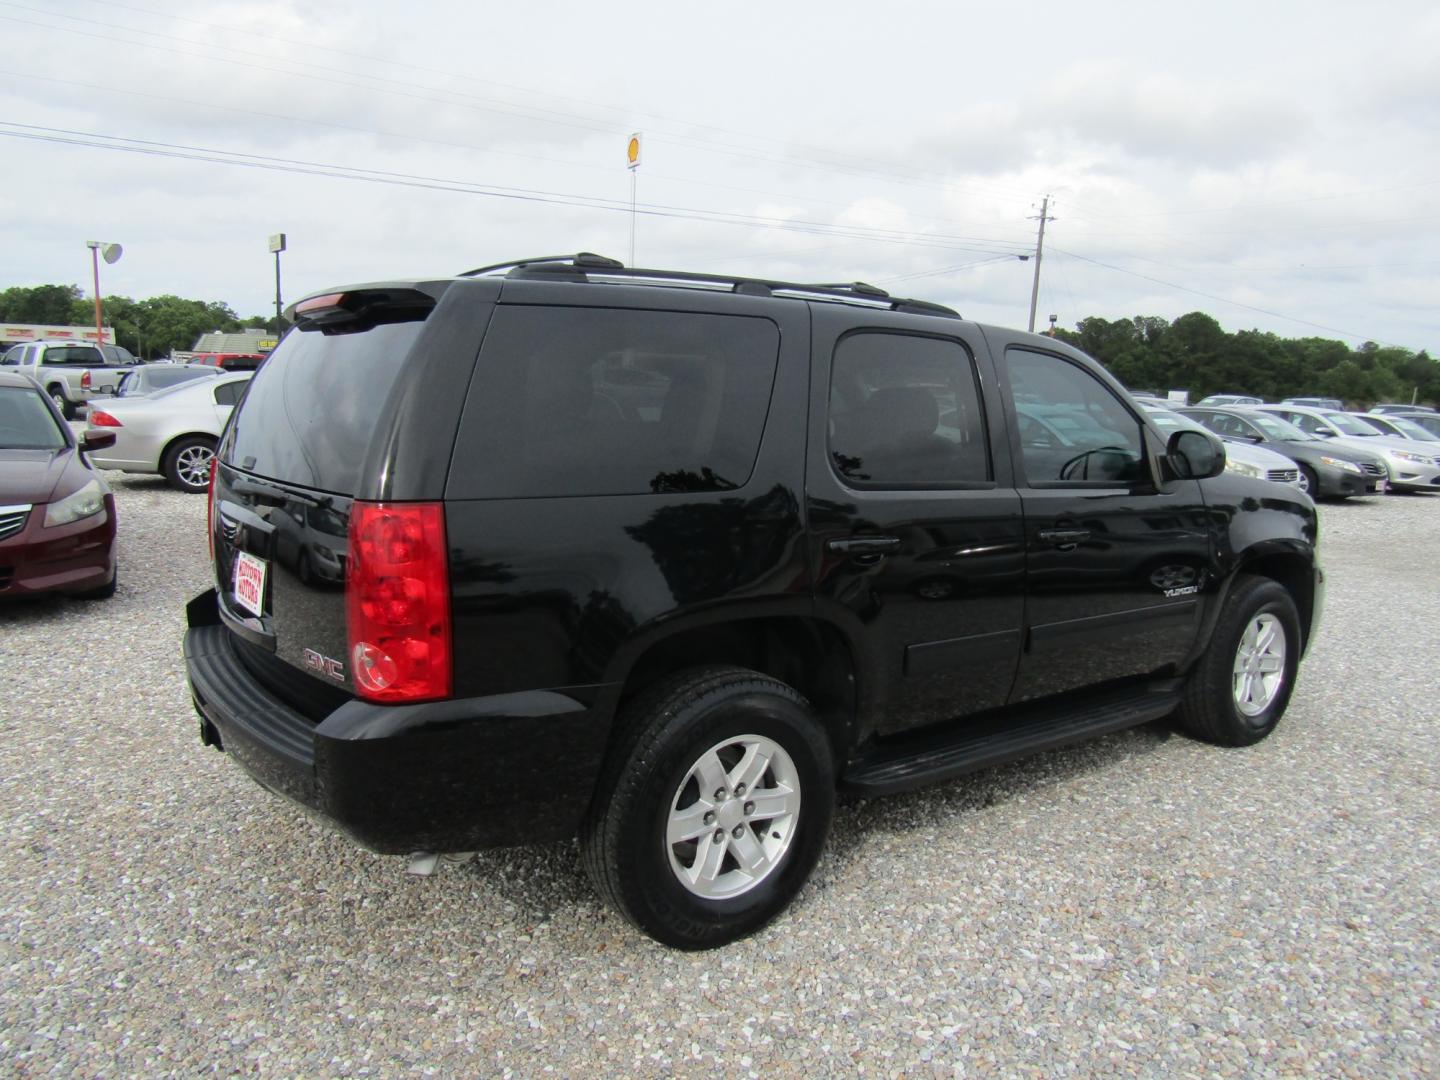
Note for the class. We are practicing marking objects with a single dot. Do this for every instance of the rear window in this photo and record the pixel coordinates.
(312, 407)
(585, 401)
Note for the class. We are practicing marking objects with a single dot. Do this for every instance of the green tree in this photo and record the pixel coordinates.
(172, 322)
(52, 304)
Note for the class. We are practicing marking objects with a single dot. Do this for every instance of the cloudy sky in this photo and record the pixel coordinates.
(1274, 164)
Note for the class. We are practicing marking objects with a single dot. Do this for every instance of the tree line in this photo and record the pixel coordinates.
(1195, 353)
(149, 328)
(1192, 353)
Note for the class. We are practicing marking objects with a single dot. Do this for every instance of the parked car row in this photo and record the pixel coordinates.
(1339, 454)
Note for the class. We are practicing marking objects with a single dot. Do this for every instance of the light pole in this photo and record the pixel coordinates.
(111, 254)
(277, 245)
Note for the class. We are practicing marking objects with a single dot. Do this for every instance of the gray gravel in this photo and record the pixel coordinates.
(1141, 905)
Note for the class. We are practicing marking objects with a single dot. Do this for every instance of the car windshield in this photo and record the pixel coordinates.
(26, 422)
(1275, 428)
(1409, 428)
(1349, 425)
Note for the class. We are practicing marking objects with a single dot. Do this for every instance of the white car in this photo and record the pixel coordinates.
(1241, 457)
(1412, 466)
(171, 432)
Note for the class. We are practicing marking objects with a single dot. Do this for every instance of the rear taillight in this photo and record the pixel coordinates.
(397, 602)
(85, 380)
(210, 509)
(99, 418)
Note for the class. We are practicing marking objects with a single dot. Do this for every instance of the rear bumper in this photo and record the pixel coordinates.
(441, 776)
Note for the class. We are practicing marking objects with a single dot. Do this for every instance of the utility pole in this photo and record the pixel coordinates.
(1039, 251)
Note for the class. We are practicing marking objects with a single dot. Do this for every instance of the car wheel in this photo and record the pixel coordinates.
(1309, 483)
(187, 463)
(62, 403)
(1240, 688)
(713, 807)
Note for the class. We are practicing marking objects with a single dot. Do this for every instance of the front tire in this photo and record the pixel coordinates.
(1309, 482)
(713, 808)
(1240, 688)
(187, 464)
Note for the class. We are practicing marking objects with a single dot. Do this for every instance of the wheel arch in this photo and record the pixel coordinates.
(1294, 570)
(170, 443)
(807, 653)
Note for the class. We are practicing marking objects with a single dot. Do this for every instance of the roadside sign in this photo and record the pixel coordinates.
(632, 152)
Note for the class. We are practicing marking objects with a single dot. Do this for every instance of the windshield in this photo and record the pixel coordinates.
(26, 422)
(1409, 428)
(1349, 425)
(1275, 428)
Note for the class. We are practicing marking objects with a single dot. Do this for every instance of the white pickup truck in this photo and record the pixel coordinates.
(71, 372)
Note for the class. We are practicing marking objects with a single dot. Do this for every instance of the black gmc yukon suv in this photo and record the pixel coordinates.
(668, 560)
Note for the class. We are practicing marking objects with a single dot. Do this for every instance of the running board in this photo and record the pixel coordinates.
(994, 741)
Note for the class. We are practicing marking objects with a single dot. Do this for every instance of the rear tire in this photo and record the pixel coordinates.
(713, 808)
(1240, 688)
(187, 463)
(57, 395)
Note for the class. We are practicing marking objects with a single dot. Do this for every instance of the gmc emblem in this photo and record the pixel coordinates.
(325, 665)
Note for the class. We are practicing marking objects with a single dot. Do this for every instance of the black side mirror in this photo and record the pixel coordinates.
(97, 440)
(1195, 455)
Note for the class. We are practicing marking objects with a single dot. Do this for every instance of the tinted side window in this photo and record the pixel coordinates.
(1072, 428)
(588, 401)
(13, 356)
(1304, 422)
(905, 411)
(229, 393)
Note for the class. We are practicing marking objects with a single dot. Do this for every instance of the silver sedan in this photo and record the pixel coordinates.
(172, 432)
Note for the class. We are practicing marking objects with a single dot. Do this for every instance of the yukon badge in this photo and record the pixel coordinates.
(325, 665)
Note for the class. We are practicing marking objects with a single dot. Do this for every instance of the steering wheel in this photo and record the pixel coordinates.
(1068, 470)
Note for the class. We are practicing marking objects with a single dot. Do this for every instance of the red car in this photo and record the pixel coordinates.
(57, 516)
(229, 361)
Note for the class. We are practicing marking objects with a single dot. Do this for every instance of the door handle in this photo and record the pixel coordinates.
(1064, 537)
(864, 545)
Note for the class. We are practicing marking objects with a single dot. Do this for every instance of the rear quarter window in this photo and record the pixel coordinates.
(587, 401)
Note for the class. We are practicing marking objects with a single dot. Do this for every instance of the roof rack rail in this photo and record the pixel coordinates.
(587, 266)
(583, 259)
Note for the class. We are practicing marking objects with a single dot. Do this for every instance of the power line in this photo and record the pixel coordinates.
(1226, 300)
(445, 143)
(278, 164)
(481, 104)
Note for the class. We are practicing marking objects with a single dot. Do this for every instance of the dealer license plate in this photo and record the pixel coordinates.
(249, 582)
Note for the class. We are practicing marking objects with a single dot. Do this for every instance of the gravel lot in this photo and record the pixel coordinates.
(1141, 905)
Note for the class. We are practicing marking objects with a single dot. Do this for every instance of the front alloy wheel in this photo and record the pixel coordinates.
(1240, 687)
(1259, 665)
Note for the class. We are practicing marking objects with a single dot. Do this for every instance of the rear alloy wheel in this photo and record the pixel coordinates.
(1240, 688)
(62, 403)
(713, 807)
(187, 464)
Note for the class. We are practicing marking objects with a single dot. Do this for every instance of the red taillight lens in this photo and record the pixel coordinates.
(210, 508)
(99, 418)
(85, 380)
(397, 601)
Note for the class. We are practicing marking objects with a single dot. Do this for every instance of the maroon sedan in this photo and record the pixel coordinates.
(57, 517)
